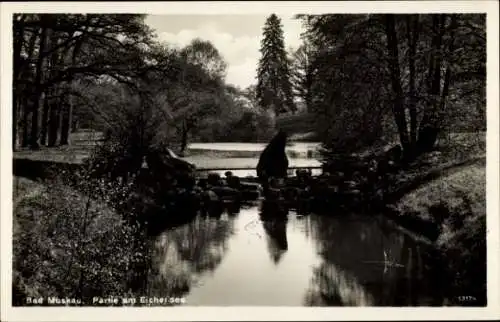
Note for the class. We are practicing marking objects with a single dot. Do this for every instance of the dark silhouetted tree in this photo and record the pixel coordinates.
(274, 89)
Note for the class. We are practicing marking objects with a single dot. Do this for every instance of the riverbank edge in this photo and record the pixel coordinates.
(452, 224)
(409, 219)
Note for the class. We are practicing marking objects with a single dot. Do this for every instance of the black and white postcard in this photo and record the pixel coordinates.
(249, 160)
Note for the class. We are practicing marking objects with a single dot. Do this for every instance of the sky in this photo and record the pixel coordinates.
(237, 37)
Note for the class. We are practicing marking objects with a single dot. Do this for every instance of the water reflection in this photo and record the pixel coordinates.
(183, 253)
(334, 287)
(249, 256)
(365, 263)
(277, 243)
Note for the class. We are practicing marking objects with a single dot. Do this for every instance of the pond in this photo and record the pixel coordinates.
(241, 146)
(300, 149)
(338, 260)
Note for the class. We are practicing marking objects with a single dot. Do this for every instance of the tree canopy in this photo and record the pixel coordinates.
(371, 75)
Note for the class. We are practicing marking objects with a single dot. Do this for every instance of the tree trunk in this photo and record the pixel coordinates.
(412, 42)
(55, 117)
(184, 138)
(447, 76)
(68, 115)
(15, 111)
(429, 130)
(45, 120)
(398, 105)
(54, 121)
(17, 48)
(75, 125)
(66, 121)
(53, 61)
(25, 123)
(22, 94)
(38, 94)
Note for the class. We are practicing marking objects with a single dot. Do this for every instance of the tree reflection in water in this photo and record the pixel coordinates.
(364, 263)
(180, 254)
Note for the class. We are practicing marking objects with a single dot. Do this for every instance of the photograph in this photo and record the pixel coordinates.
(268, 159)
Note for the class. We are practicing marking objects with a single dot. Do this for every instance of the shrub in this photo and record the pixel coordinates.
(67, 244)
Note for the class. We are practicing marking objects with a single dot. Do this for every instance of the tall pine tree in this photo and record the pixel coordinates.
(274, 89)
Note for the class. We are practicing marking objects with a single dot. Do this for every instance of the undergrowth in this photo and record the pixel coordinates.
(70, 244)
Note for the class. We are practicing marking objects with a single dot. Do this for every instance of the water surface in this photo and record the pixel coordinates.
(341, 260)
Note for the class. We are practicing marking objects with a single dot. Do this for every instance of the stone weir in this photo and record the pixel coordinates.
(181, 198)
(303, 193)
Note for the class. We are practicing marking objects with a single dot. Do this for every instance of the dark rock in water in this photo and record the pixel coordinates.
(273, 194)
(233, 181)
(291, 194)
(273, 161)
(250, 191)
(303, 173)
(303, 206)
(298, 199)
(351, 184)
(250, 179)
(250, 186)
(293, 182)
(203, 183)
(188, 199)
(347, 164)
(233, 208)
(164, 166)
(355, 192)
(225, 193)
(212, 204)
(247, 195)
(214, 180)
(277, 183)
(215, 210)
(324, 196)
(210, 196)
(301, 181)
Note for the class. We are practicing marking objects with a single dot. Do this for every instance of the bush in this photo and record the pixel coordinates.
(67, 244)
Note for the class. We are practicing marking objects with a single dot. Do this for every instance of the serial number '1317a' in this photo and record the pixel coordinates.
(466, 298)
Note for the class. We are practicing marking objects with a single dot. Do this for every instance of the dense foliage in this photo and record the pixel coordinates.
(373, 78)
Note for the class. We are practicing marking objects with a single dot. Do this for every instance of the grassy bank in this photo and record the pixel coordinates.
(455, 204)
